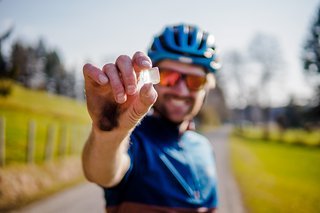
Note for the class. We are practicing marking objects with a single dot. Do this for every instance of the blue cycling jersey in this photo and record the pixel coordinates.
(169, 172)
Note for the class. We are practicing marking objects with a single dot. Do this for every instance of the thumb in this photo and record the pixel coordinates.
(147, 97)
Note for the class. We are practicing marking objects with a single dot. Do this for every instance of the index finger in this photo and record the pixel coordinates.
(141, 61)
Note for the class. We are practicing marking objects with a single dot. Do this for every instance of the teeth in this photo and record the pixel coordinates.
(178, 102)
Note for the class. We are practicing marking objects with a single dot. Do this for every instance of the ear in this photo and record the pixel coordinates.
(211, 81)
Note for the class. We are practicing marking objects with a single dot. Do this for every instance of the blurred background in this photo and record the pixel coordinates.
(268, 90)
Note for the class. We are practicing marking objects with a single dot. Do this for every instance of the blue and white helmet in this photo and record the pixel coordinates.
(185, 43)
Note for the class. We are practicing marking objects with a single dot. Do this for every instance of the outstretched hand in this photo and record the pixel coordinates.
(113, 99)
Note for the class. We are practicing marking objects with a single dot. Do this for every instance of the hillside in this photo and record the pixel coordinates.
(41, 102)
(60, 128)
(65, 119)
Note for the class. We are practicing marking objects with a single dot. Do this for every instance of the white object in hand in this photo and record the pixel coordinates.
(149, 76)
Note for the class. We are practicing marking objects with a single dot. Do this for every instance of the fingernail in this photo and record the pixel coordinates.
(103, 79)
(121, 98)
(131, 89)
(146, 63)
(148, 93)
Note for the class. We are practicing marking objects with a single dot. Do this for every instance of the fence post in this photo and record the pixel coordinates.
(72, 140)
(2, 141)
(31, 141)
(63, 141)
(48, 152)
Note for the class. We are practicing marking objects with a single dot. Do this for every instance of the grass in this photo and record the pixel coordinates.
(41, 102)
(290, 136)
(23, 184)
(68, 118)
(277, 177)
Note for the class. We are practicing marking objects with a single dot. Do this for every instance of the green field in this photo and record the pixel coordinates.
(67, 119)
(277, 177)
(290, 136)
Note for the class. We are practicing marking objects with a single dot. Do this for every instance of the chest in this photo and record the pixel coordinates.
(182, 170)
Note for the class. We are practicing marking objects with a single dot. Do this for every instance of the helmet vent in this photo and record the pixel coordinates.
(203, 41)
(176, 38)
(190, 39)
(164, 43)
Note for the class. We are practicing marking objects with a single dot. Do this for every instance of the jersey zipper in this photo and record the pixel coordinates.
(176, 174)
(193, 172)
(193, 192)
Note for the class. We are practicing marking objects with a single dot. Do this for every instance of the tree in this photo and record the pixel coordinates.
(233, 80)
(265, 51)
(311, 57)
(19, 63)
(234, 65)
(4, 73)
(3, 67)
(36, 67)
(311, 63)
(5, 85)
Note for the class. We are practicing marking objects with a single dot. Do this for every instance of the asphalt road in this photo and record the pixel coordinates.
(229, 196)
(84, 198)
(89, 197)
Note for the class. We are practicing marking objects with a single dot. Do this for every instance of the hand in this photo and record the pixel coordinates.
(113, 100)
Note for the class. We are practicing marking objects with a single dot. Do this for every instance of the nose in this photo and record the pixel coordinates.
(181, 87)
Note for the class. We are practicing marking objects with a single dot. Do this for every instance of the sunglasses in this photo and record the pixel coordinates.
(170, 78)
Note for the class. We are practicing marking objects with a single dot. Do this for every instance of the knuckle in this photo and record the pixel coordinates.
(128, 77)
(118, 88)
(136, 115)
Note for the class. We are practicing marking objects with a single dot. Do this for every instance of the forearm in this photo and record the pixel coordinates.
(104, 158)
(115, 105)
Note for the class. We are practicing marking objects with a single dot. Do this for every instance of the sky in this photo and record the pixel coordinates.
(97, 31)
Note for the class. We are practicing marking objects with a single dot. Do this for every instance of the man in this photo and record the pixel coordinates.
(154, 162)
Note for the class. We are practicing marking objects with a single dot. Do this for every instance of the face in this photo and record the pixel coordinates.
(178, 102)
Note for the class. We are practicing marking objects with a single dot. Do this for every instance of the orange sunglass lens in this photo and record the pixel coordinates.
(196, 82)
(168, 78)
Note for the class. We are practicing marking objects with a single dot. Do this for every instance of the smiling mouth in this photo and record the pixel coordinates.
(179, 101)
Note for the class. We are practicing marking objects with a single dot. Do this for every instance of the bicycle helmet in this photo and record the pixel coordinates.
(185, 43)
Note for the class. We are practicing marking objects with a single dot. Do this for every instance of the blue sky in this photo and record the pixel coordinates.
(98, 30)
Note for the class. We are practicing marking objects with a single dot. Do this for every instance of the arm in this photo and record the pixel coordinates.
(115, 109)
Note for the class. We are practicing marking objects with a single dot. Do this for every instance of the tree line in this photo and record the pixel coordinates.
(36, 67)
(257, 75)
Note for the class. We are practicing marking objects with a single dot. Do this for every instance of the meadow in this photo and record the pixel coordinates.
(297, 136)
(275, 176)
(64, 120)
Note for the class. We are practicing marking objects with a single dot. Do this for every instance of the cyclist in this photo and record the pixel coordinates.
(141, 149)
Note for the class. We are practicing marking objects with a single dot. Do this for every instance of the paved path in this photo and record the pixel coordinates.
(229, 195)
(85, 198)
(89, 198)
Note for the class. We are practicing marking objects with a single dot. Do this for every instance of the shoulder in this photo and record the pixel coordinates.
(193, 137)
(197, 143)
